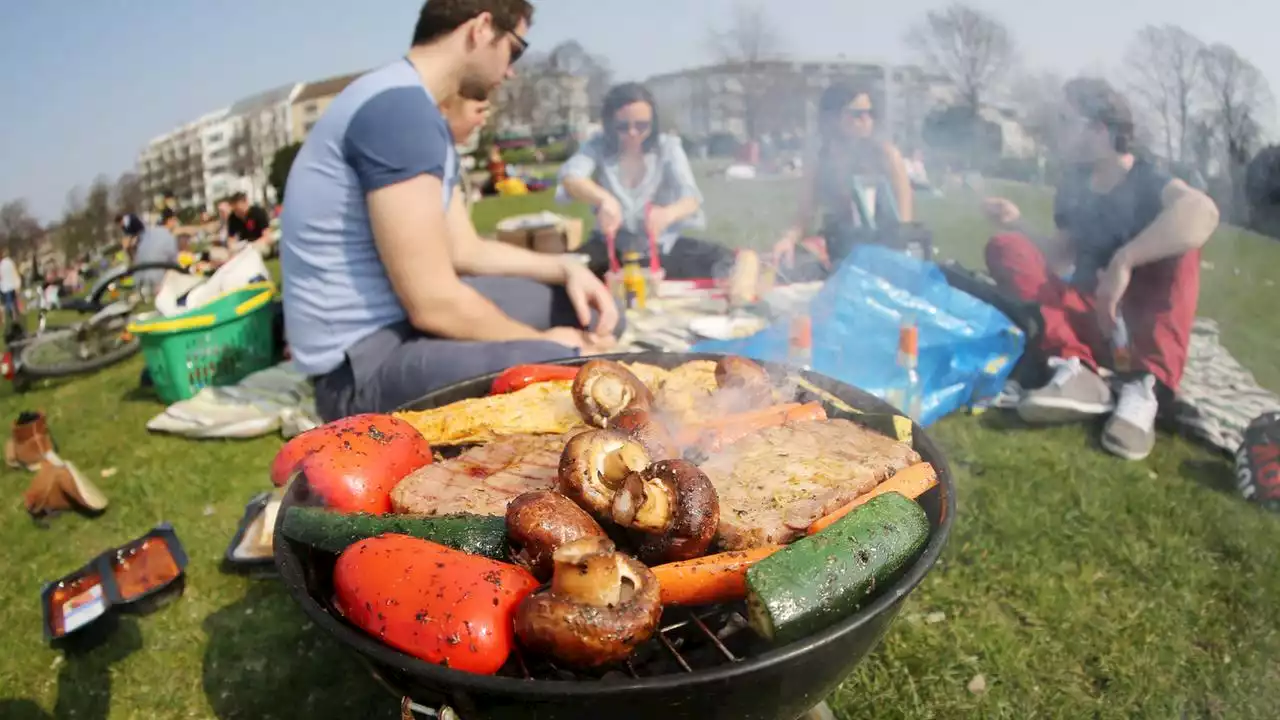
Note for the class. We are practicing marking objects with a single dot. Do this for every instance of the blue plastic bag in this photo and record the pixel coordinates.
(967, 348)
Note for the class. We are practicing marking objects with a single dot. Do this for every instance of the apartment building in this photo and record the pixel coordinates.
(544, 104)
(312, 100)
(174, 162)
(780, 97)
(260, 126)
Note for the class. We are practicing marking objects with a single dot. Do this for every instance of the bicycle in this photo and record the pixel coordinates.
(85, 347)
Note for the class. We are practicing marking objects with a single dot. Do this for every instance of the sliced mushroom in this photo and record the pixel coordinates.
(600, 606)
(674, 505)
(744, 384)
(540, 522)
(594, 465)
(603, 389)
(640, 425)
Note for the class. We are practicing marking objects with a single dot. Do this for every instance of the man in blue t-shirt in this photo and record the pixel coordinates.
(388, 291)
(1130, 236)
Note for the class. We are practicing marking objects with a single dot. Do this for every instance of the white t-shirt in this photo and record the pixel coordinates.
(9, 279)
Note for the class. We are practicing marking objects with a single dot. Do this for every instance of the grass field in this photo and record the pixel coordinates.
(1075, 585)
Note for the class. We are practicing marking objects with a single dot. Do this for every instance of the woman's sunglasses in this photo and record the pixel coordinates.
(624, 127)
(857, 113)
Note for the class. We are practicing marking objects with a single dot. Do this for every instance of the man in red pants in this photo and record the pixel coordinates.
(1133, 235)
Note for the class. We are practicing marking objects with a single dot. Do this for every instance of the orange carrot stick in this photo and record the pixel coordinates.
(711, 579)
(911, 482)
(723, 436)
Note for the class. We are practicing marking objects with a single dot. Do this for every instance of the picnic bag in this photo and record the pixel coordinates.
(1258, 462)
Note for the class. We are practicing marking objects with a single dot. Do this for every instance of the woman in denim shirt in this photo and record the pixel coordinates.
(640, 183)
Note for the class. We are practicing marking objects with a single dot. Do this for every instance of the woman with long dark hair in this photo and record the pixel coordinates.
(640, 183)
(850, 157)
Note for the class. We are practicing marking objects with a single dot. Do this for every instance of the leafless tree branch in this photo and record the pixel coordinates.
(972, 48)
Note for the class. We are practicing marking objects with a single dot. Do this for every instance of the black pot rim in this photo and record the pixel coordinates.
(291, 574)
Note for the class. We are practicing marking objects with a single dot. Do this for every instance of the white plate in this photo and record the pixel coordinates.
(726, 328)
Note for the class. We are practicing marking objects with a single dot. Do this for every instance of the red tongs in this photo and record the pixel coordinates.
(655, 261)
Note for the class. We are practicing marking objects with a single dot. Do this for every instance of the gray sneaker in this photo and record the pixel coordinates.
(1074, 393)
(1131, 431)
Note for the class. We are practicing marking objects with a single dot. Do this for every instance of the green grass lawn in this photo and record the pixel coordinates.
(1077, 585)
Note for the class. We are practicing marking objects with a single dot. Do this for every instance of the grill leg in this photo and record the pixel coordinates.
(821, 712)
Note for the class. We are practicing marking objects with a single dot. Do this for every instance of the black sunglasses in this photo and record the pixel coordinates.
(857, 113)
(622, 127)
(519, 49)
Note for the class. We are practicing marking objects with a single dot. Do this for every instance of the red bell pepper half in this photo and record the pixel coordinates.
(522, 376)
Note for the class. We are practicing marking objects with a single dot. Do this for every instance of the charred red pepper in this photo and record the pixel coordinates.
(432, 602)
(353, 464)
(522, 376)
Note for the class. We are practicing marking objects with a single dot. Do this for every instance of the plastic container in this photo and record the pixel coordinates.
(149, 572)
(254, 520)
(86, 600)
(218, 343)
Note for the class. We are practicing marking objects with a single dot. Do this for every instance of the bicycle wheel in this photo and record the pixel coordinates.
(60, 353)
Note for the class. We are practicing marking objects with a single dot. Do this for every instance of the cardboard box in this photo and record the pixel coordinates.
(559, 236)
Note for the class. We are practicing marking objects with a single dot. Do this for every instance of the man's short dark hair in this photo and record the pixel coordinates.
(1099, 103)
(441, 17)
(237, 197)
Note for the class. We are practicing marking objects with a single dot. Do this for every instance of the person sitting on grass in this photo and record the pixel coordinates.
(1133, 235)
(465, 118)
(848, 150)
(388, 293)
(249, 224)
(640, 183)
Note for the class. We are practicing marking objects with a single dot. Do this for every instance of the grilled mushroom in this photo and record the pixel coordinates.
(640, 425)
(594, 465)
(539, 522)
(747, 383)
(600, 606)
(672, 503)
(603, 389)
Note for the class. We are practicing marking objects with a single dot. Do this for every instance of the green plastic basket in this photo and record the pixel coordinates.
(218, 343)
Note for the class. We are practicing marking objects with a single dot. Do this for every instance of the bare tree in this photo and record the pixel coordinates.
(971, 48)
(98, 216)
(1038, 97)
(127, 196)
(1164, 72)
(749, 43)
(1240, 102)
(19, 230)
(570, 58)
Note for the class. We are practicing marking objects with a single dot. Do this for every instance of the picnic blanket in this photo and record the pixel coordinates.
(1219, 397)
(665, 322)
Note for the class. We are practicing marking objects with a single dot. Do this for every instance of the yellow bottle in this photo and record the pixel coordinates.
(633, 281)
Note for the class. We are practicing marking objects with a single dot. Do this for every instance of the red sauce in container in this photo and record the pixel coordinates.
(76, 602)
(144, 567)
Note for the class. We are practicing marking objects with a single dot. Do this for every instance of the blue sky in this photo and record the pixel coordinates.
(88, 82)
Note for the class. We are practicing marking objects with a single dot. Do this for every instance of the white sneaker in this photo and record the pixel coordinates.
(1074, 393)
(1131, 431)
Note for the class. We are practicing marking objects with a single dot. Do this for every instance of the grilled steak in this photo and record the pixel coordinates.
(484, 479)
(774, 483)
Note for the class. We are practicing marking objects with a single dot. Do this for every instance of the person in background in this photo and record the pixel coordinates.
(249, 224)
(465, 118)
(1130, 237)
(848, 149)
(10, 286)
(157, 244)
(640, 183)
(497, 170)
(388, 293)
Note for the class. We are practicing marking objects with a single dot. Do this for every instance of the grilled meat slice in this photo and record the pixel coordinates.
(484, 479)
(774, 483)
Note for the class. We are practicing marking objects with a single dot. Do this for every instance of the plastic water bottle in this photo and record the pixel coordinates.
(1120, 347)
(800, 345)
(908, 395)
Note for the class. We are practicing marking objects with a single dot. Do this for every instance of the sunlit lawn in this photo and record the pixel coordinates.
(1076, 584)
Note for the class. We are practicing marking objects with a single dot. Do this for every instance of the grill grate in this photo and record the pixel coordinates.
(694, 639)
